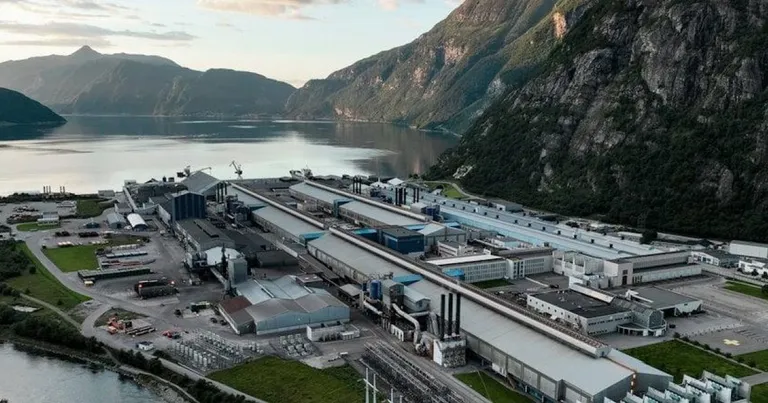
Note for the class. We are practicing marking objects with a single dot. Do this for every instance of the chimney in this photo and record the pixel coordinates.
(442, 317)
(458, 313)
(449, 328)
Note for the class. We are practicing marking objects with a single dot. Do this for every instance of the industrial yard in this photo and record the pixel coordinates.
(337, 281)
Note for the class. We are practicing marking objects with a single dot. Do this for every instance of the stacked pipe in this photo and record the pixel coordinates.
(449, 329)
(442, 317)
(458, 315)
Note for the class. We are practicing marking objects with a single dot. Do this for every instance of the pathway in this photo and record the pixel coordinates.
(756, 379)
(53, 308)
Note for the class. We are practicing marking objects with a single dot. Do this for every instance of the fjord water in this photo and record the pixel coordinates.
(92, 153)
(34, 379)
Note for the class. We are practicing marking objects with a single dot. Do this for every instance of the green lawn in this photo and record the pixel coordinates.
(83, 257)
(88, 208)
(746, 289)
(74, 258)
(677, 358)
(760, 359)
(491, 283)
(33, 226)
(451, 192)
(491, 389)
(277, 380)
(759, 394)
(42, 285)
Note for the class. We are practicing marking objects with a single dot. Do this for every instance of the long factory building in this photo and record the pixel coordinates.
(535, 231)
(547, 360)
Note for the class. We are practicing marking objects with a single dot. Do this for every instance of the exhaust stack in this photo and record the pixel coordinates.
(458, 314)
(449, 328)
(442, 317)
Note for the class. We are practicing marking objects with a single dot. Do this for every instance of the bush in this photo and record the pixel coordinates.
(740, 359)
(706, 347)
(752, 363)
(32, 269)
(686, 339)
(676, 335)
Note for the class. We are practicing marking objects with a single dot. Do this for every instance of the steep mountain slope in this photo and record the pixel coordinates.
(649, 111)
(446, 76)
(87, 82)
(15, 109)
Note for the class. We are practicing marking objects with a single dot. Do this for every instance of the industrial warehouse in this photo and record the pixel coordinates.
(535, 302)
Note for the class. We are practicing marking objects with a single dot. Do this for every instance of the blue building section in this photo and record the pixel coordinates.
(311, 236)
(455, 273)
(415, 227)
(452, 224)
(402, 240)
(338, 203)
(370, 234)
(408, 279)
(376, 289)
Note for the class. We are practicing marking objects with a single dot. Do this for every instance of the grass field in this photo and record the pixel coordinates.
(74, 258)
(677, 358)
(277, 380)
(42, 285)
(760, 358)
(451, 192)
(91, 208)
(491, 389)
(491, 283)
(33, 226)
(746, 289)
(82, 257)
(759, 393)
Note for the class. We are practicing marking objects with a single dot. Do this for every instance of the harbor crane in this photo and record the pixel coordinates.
(238, 169)
(187, 172)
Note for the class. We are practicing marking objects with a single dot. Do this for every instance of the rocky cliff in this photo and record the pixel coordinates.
(16, 109)
(87, 82)
(446, 77)
(648, 112)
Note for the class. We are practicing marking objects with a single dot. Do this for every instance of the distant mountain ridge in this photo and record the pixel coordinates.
(88, 82)
(447, 76)
(16, 109)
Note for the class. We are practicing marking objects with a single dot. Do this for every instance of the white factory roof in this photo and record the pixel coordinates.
(378, 214)
(293, 225)
(270, 298)
(463, 259)
(135, 220)
(316, 193)
(213, 256)
(437, 229)
(395, 181)
(200, 182)
(545, 355)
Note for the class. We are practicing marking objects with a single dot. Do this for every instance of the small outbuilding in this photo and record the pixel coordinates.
(137, 223)
(116, 221)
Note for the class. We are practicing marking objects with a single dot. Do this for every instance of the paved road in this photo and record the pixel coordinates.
(756, 379)
(33, 241)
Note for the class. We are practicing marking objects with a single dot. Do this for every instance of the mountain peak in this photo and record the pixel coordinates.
(85, 52)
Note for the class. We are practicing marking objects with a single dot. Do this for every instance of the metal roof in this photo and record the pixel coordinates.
(661, 298)
(378, 214)
(234, 304)
(316, 193)
(200, 182)
(437, 229)
(578, 304)
(287, 222)
(202, 230)
(463, 259)
(135, 220)
(552, 358)
(114, 218)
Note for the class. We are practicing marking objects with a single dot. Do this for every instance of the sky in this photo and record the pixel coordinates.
(288, 40)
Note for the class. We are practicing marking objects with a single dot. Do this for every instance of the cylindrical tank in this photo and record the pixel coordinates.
(375, 289)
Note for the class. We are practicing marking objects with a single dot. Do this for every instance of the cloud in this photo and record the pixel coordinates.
(60, 30)
(391, 5)
(63, 42)
(69, 9)
(291, 9)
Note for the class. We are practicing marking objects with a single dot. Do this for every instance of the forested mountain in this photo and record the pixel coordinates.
(647, 111)
(87, 82)
(16, 109)
(447, 76)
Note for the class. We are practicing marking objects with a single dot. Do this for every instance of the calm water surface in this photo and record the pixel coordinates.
(91, 153)
(34, 379)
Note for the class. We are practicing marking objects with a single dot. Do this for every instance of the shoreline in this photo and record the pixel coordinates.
(164, 390)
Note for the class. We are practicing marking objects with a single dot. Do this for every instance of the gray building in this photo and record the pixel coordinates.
(670, 303)
(716, 258)
(475, 268)
(591, 316)
(434, 233)
(284, 225)
(201, 235)
(539, 365)
(116, 221)
(201, 183)
(180, 206)
(282, 305)
(374, 216)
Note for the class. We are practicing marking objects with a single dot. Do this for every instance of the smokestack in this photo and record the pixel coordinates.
(442, 317)
(449, 329)
(458, 313)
